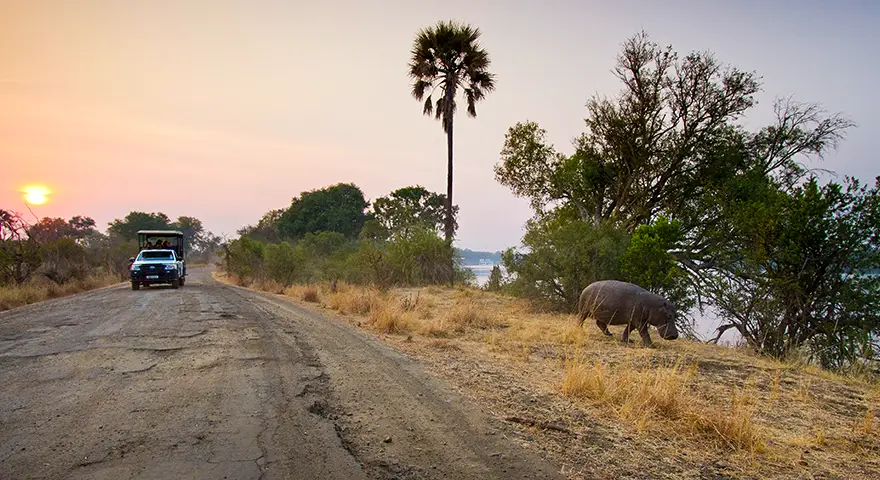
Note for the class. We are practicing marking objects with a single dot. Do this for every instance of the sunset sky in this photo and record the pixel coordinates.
(225, 109)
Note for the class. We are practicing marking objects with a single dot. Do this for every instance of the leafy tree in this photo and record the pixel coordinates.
(714, 211)
(373, 230)
(448, 57)
(494, 283)
(410, 208)
(764, 162)
(62, 259)
(114, 256)
(564, 256)
(208, 245)
(798, 280)
(420, 258)
(323, 244)
(19, 254)
(645, 151)
(128, 227)
(327, 254)
(648, 262)
(83, 226)
(338, 208)
(52, 229)
(371, 264)
(193, 231)
(245, 258)
(266, 229)
(286, 263)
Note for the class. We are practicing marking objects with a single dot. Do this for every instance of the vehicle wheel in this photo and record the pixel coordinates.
(175, 284)
(135, 286)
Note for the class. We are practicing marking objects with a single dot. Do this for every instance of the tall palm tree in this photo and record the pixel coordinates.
(448, 58)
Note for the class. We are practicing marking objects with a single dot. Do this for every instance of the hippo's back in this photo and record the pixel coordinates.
(610, 300)
(615, 287)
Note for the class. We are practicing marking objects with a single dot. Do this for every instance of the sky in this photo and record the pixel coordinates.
(224, 109)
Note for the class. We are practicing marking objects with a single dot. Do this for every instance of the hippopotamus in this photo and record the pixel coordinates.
(612, 302)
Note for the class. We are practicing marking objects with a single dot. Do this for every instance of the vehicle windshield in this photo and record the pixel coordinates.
(157, 255)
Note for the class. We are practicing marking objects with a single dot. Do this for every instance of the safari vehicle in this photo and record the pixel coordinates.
(161, 259)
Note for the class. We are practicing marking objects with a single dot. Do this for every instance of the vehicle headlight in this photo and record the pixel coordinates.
(170, 266)
(135, 267)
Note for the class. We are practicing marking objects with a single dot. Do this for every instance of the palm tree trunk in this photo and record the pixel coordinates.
(449, 220)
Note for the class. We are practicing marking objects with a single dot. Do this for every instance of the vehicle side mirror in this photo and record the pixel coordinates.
(131, 260)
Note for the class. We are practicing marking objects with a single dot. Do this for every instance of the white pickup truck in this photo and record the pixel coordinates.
(152, 267)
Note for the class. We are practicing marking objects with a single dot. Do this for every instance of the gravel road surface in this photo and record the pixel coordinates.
(212, 381)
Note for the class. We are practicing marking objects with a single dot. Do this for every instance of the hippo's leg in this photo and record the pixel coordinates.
(604, 327)
(626, 329)
(646, 339)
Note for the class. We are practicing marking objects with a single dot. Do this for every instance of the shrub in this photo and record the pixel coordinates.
(63, 260)
(285, 263)
(421, 257)
(245, 258)
(310, 294)
(494, 283)
(565, 256)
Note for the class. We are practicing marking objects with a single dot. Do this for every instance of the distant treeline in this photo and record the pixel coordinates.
(471, 257)
(62, 250)
(333, 233)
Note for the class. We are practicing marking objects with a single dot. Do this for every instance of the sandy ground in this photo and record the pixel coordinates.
(213, 381)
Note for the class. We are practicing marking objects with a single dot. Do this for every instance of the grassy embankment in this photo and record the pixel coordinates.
(603, 409)
(39, 289)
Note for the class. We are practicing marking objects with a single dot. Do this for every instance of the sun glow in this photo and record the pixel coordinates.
(36, 194)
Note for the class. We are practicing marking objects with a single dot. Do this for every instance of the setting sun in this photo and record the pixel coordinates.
(36, 194)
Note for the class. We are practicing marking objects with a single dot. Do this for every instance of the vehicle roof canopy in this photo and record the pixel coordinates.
(163, 233)
(175, 237)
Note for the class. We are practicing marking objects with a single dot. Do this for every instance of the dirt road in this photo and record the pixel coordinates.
(212, 381)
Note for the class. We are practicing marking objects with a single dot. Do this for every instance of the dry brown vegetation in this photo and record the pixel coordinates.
(39, 289)
(602, 409)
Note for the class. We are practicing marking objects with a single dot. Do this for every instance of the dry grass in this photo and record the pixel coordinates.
(695, 404)
(730, 424)
(37, 290)
(349, 300)
(660, 398)
(268, 286)
(306, 293)
(636, 394)
(470, 314)
(390, 318)
(436, 327)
